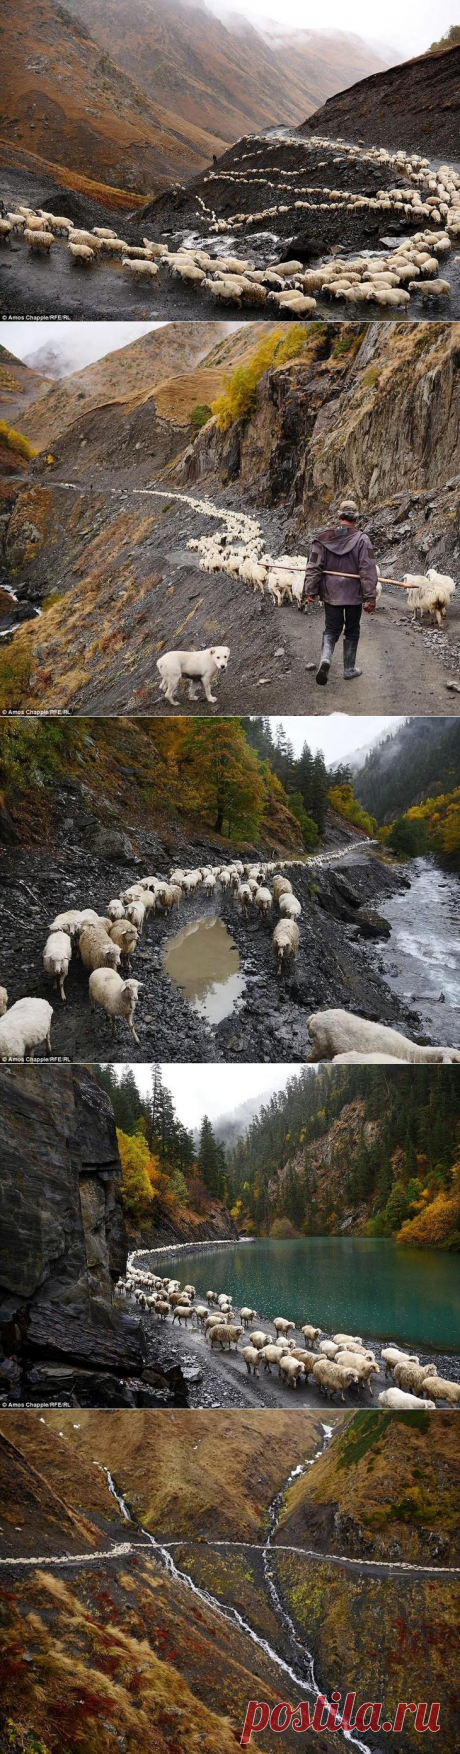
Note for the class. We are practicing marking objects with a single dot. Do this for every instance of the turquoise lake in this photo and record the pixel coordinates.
(361, 1286)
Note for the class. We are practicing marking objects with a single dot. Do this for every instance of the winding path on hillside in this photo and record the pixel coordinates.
(303, 1674)
(404, 665)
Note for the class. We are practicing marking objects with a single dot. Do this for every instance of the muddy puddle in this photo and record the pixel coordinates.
(203, 960)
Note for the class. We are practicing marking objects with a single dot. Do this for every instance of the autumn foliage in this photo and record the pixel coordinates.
(436, 1224)
(140, 1173)
(342, 799)
(238, 398)
(433, 826)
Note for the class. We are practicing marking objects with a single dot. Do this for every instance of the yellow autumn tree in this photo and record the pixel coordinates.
(342, 799)
(438, 1225)
(140, 1175)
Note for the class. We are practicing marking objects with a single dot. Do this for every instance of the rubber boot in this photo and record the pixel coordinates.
(327, 650)
(350, 667)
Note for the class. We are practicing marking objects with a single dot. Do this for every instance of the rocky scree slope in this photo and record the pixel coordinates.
(414, 105)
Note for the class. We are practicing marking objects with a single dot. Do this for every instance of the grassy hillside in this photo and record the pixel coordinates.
(388, 1478)
(69, 104)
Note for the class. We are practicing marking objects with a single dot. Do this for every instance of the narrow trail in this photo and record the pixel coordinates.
(401, 662)
(301, 1672)
(303, 1677)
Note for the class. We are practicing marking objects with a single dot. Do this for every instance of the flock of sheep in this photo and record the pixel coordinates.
(282, 579)
(105, 941)
(336, 1365)
(387, 279)
(238, 549)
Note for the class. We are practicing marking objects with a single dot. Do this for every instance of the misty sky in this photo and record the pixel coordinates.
(409, 29)
(214, 1090)
(79, 343)
(336, 735)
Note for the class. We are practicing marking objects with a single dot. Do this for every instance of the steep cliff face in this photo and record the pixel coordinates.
(63, 1240)
(63, 1232)
(373, 408)
(212, 1223)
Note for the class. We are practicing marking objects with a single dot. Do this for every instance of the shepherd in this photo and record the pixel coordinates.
(341, 570)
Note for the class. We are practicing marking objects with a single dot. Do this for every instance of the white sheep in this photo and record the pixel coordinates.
(339, 1032)
(68, 922)
(252, 1359)
(56, 958)
(125, 936)
(289, 907)
(400, 1402)
(332, 1378)
(412, 1377)
(116, 910)
(290, 1368)
(347, 1340)
(392, 1355)
(281, 886)
(430, 595)
(263, 901)
(309, 1332)
(247, 1315)
(244, 898)
(364, 1367)
(135, 912)
(117, 997)
(86, 237)
(57, 223)
(442, 1389)
(140, 267)
(271, 1355)
(285, 943)
(24, 1027)
(282, 1325)
(38, 240)
(431, 288)
(97, 950)
(259, 1339)
(183, 1312)
(82, 253)
(4, 1007)
(224, 1334)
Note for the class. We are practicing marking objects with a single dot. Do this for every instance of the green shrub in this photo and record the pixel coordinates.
(200, 415)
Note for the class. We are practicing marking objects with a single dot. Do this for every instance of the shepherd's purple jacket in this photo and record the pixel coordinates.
(347, 555)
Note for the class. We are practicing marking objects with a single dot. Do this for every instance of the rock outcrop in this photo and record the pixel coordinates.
(63, 1245)
(374, 406)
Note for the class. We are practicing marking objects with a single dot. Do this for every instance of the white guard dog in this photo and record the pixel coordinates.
(192, 667)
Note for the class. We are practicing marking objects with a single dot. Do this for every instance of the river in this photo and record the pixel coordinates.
(421, 960)
(358, 1285)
